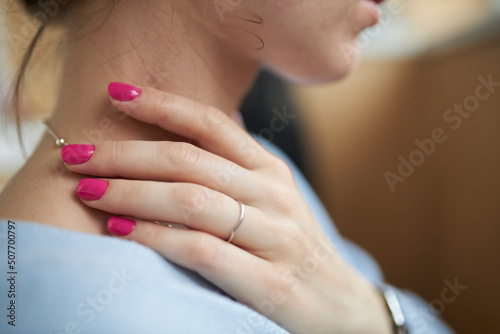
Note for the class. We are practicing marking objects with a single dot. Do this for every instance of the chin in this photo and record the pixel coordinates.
(330, 70)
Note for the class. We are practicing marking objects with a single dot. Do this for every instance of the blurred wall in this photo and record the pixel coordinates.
(442, 222)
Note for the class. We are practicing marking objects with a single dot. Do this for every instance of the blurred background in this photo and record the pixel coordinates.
(428, 214)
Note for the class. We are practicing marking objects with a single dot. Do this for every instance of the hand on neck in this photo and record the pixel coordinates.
(170, 52)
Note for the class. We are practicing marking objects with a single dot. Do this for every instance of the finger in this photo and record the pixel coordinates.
(234, 270)
(212, 129)
(163, 161)
(191, 205)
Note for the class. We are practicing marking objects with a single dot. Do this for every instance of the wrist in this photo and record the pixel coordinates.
(373, 312)
(382, 316)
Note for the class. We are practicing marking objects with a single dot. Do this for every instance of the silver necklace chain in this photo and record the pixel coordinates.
(59, 141)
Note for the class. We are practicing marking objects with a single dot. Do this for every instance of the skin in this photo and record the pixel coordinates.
(180, 144)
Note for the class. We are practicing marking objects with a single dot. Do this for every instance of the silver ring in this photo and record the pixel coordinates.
(240, 220)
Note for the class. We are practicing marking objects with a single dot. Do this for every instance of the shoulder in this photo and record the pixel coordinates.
(64, 279)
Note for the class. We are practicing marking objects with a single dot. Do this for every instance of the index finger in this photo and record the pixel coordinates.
(208, 126)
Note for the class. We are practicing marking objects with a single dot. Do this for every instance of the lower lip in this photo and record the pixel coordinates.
(374, 9)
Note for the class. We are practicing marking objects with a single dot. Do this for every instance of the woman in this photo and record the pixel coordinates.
(159, 145)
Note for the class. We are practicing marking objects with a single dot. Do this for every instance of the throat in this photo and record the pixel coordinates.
(44, 192)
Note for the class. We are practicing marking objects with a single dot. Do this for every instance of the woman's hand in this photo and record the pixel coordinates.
(279, 263)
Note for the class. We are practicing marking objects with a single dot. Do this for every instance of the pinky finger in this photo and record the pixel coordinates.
(231, 268)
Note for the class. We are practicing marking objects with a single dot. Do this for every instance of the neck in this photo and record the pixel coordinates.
(177, 56)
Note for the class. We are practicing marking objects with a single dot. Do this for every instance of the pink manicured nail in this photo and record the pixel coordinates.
(120, 226)
(91, 189)
(123, 92)
(77, 154)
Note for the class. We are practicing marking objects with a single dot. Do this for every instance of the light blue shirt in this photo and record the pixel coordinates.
(69, 282)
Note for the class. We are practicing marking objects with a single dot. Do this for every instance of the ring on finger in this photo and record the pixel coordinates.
(240, 220)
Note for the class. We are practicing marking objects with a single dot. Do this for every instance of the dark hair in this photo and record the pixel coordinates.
(45, 15)
(30, 5)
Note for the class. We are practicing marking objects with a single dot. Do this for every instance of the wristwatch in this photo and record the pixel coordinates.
(397, 316)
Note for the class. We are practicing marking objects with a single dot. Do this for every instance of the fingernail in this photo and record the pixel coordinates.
(91, 189)
(123, 92)
(120, 226)
(77, 154)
